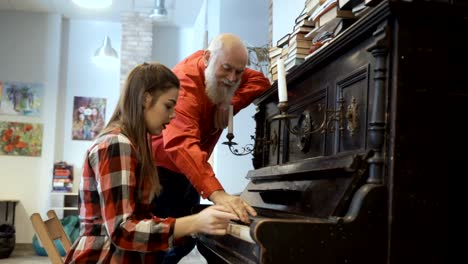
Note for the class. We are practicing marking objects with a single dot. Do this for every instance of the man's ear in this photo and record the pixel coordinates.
(206, 57)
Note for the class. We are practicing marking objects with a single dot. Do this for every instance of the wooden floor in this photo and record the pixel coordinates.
(24, 254)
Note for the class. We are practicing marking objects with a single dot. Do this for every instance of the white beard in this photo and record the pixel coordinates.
(218, 94)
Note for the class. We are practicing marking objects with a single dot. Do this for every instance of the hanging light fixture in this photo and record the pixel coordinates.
(159, 12)
(106, 55)
(93, 3)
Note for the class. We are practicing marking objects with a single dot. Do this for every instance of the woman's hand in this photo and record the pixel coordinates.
(212, 220)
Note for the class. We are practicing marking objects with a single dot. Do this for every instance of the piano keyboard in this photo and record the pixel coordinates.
(240, 231)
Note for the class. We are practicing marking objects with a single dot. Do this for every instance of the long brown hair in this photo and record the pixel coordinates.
(155, 79)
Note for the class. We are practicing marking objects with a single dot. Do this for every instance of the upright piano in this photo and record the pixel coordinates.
(356, 166)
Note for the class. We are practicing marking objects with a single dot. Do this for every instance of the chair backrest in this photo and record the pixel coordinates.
(48, 231)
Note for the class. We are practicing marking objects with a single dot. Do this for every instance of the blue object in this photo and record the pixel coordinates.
(40, 251)
(71, 225)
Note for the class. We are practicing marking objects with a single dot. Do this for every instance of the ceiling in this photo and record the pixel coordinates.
(182, 13)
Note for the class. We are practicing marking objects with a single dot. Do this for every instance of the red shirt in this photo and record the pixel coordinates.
(188, 141)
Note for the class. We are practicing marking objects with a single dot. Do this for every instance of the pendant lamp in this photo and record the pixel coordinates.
(159, 12)
(106, 55)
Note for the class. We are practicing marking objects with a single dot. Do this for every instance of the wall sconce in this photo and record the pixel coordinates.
(247, 149)
(106, 55)
(305, 125)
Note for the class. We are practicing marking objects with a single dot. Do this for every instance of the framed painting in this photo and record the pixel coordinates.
(88, 117)
(21, 98)
(20, 139)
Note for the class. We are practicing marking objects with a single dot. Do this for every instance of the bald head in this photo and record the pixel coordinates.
(228, 45)
(225, 61)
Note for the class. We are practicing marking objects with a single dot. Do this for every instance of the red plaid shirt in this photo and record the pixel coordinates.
(115, 226)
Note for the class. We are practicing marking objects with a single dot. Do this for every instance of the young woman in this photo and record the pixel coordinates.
(120, 180)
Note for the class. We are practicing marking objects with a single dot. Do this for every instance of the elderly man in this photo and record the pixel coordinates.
(210, 81)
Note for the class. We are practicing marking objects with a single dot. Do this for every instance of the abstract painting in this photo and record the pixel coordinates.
(20, 139)
(88, 117)
(21, 98)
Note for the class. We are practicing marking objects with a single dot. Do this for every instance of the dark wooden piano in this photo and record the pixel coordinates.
(355, 168)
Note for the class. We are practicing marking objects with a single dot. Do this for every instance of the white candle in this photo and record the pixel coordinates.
(282, 89)
(231, 116)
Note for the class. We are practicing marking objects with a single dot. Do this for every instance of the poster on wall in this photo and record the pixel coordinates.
(88, 117)
(20, 139)
(21, 98)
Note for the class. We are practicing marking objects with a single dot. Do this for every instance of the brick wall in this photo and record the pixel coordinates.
(137, 41)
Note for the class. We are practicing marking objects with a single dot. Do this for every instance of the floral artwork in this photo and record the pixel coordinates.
(88, 117)
(20, 98)
(20, 139)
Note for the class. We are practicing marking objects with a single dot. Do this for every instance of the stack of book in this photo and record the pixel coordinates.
(358, 7)
(299, 42)
(274, 53)
(294, 46)
(329, 20)
(298, 46)
(329, 11)
(62, 179)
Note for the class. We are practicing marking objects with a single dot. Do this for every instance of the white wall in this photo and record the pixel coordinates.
(171, 44)
(200, 28)
(44, 48)
(83, 78)
(251, 23)
(284, 14)
(213, 18)
(30, 52)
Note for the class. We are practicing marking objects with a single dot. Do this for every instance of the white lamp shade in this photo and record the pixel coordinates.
(106, 55)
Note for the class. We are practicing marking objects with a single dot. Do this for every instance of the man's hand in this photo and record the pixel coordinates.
(235, 204)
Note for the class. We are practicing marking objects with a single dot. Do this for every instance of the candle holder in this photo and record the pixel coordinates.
(283, 107)
(247, 149)
(305, 125)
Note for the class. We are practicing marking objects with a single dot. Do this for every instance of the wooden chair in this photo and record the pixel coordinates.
(47, 232)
